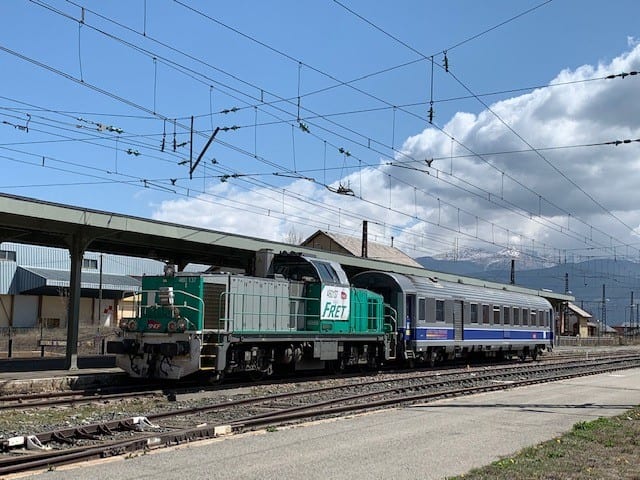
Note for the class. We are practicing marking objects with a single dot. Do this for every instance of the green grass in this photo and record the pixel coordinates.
(606, 448)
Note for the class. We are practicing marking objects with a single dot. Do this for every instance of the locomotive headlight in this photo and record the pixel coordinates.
(172, 326)
(132, 325)
(182, 325)
(123, 325)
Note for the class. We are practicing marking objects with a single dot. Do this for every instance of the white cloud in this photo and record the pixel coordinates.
(526, 206)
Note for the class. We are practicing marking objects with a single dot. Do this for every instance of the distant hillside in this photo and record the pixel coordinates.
(620, 278)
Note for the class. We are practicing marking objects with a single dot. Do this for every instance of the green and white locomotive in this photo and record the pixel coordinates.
(301, 315)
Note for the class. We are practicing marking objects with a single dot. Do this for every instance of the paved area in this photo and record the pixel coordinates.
(29, 375)
(429, 441)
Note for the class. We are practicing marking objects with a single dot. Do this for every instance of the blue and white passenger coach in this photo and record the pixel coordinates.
(444, 320)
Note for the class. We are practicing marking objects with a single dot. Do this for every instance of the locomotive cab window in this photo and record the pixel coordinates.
(439, 310)
(326, 272)
(473, 313)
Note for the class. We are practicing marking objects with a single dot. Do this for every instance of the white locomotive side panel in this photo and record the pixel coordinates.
(334, 303)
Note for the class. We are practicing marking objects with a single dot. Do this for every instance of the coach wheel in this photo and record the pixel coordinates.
(215, 378)
(433, 358)
(534, 354)
(522, 355)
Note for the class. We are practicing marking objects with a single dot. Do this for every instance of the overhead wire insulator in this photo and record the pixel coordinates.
(446, 62)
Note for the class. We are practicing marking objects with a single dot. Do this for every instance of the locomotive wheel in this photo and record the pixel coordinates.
(336, 367)
(257, 375)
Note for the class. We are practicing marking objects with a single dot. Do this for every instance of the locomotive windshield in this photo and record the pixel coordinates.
(298, 267)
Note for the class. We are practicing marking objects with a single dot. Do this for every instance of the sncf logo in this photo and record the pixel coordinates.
(154, 325)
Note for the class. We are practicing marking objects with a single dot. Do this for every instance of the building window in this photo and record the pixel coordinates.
(90, 263)
(9, 255)
(439, 310)
(474, 313)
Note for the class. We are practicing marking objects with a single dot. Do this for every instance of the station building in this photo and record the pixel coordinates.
(34, 286)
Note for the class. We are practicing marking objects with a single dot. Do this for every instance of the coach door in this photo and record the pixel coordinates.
(458, 320)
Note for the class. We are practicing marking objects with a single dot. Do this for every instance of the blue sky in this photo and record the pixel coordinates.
(99, 91)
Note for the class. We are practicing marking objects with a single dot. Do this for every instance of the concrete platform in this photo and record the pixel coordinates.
(36, 375)
(428, 441)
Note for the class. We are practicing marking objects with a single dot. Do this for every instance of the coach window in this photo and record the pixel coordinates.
(486, 314)
(525, 317)
(473, 313)
(422, 310)
(507, 317)
(439, 310)
(534, 318)
(516, 316)
(496, 315)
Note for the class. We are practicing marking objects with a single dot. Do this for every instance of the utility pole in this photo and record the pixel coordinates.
(513, 272)
(365, 225)
(631, 314)
(100, 295)
(603, 320)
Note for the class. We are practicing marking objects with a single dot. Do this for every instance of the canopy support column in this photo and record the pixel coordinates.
(77, 245)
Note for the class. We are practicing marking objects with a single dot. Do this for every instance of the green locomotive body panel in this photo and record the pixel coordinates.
(186, 293)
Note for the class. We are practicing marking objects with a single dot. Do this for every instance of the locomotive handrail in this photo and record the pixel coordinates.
(137, 301)
(393, 316)
(228, 302)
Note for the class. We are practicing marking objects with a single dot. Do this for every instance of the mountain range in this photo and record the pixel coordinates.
(584, 280)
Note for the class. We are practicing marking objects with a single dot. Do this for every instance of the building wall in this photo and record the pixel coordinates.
(6, 310)
(54, 311)
(7, 274)
(322, 242)
(25, 311)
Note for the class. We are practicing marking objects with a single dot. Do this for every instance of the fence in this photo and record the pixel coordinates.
(577, 341)
(41, 341)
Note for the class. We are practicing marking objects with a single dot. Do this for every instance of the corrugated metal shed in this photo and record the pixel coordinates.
(35, 279)
(7, 274)
(58, 259)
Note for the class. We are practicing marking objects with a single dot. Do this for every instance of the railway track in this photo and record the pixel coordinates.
(274, 410)
(103, 394)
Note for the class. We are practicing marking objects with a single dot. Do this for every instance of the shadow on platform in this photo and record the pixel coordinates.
(42, 364)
